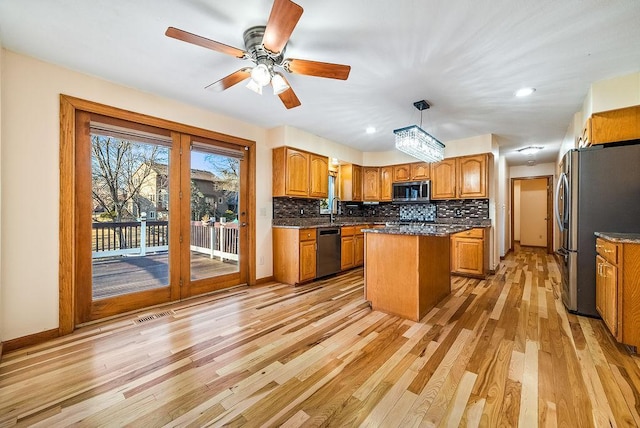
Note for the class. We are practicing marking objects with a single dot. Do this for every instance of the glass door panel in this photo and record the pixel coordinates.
(214, 224)
(130, 216)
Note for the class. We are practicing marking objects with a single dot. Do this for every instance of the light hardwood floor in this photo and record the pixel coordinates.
(498, 352)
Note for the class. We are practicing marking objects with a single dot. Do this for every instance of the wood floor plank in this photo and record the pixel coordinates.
(498, 352)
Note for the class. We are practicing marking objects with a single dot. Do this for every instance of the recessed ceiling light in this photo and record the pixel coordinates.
(525, 92)
(530, 150)
(370, 130)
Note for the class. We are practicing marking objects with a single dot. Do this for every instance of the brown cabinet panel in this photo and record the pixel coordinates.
(420, 171)
(472, 177)
(294, 255)
(402, 172)
(443, 179)
(346, 256)
(615, 125)
(318, 176)
(371, 184)
(307, 260)
(350, 178)
(299, 174)
(358, 249)
(386, 183)
(470, 253)
(601, 304)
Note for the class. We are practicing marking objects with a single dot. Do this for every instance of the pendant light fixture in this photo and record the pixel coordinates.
(416, 142)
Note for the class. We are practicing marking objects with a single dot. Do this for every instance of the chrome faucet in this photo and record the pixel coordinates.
(335, 208)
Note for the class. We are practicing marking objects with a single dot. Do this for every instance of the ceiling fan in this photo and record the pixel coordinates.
(265, 47)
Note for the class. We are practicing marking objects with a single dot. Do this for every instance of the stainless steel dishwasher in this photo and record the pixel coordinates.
(328, 254)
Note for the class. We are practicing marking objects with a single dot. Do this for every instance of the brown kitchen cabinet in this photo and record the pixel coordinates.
(298, 173)
(420, 171)
(350, 178)
(615, 125)
(465, 177)
(294, 255)
(386, 183)
(371, 183)
(470, 253)
(617, 285)
(402, 172)
(347, 260)
(443, 179)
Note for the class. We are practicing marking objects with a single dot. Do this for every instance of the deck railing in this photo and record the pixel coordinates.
(218, 240)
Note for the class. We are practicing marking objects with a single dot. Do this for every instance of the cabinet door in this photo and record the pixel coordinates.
(443, 179)
(307, 260)
(601, 302)
(346, 259)
(615, 125)
(296, 173)
(401, 172)
(358, 250)
(610, 273)
(472, 177)
(420, 171)
(467, 256)
(386, 183)
(318, 176)
(371, 184)
(357, 183)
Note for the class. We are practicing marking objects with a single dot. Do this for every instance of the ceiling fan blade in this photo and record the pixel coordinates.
(204, 42)
(288, 97)
(230, 80)
(282, 20)
(319, 69)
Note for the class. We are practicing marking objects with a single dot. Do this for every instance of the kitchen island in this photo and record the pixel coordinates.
(407, 268)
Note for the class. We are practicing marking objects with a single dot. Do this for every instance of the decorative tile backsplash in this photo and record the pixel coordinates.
(453, 209)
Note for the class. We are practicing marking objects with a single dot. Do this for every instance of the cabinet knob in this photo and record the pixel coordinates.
(468, 232)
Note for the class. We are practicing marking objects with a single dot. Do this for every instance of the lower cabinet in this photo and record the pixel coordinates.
(294, 255)
(352, 246)
(617, 286)
(470, 253)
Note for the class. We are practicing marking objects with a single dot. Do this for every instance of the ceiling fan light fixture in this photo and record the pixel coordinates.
(279, 84)
(254, 87)
(261, 75)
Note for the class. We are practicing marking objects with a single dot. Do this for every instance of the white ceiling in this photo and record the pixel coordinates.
(465, 57)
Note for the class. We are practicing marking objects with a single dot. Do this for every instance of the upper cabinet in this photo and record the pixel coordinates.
(371, 184)
(300, 174)
(464, 177)
(386, 183)
(402, 172)
(350, 182)
(443, 179)
(318, 176)
(420, 171)
(615, 125)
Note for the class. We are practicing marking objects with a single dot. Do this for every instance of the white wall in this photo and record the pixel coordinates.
(504, 208)
(1, 292)
(30, 163)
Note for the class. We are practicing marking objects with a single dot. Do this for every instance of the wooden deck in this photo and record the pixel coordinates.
(497, 352)
(123, 275)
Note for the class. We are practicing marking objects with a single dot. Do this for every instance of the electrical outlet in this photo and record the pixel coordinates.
(261, 261)
(263, 212)
(301, 211)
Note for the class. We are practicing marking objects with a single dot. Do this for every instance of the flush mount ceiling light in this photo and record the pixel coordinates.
(524, 92)
(530, 150)
(416, 142)
(370, 130)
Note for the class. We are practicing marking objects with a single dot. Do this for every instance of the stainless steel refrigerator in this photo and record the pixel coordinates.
(598, 191)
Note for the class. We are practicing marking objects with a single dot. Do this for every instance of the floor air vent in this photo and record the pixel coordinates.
(152, 317)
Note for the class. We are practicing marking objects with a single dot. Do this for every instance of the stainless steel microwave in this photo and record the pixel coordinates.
(412, 191)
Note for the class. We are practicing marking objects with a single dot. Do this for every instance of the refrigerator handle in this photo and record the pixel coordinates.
(562, 180)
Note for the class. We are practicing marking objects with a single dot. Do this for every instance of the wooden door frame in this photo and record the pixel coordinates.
(68, 261)
(549, 179)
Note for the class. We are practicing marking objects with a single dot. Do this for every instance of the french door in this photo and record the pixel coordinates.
(160, 215)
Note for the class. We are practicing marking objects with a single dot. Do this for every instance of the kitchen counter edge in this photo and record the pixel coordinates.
(621, 238)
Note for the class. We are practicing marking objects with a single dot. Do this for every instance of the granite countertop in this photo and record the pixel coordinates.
(422, 230)
(305, 223)
(622, 238)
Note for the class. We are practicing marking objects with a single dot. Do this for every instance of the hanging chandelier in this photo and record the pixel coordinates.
(416, 142)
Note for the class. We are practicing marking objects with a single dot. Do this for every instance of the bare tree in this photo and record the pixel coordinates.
(118, 170)
(227, 169)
